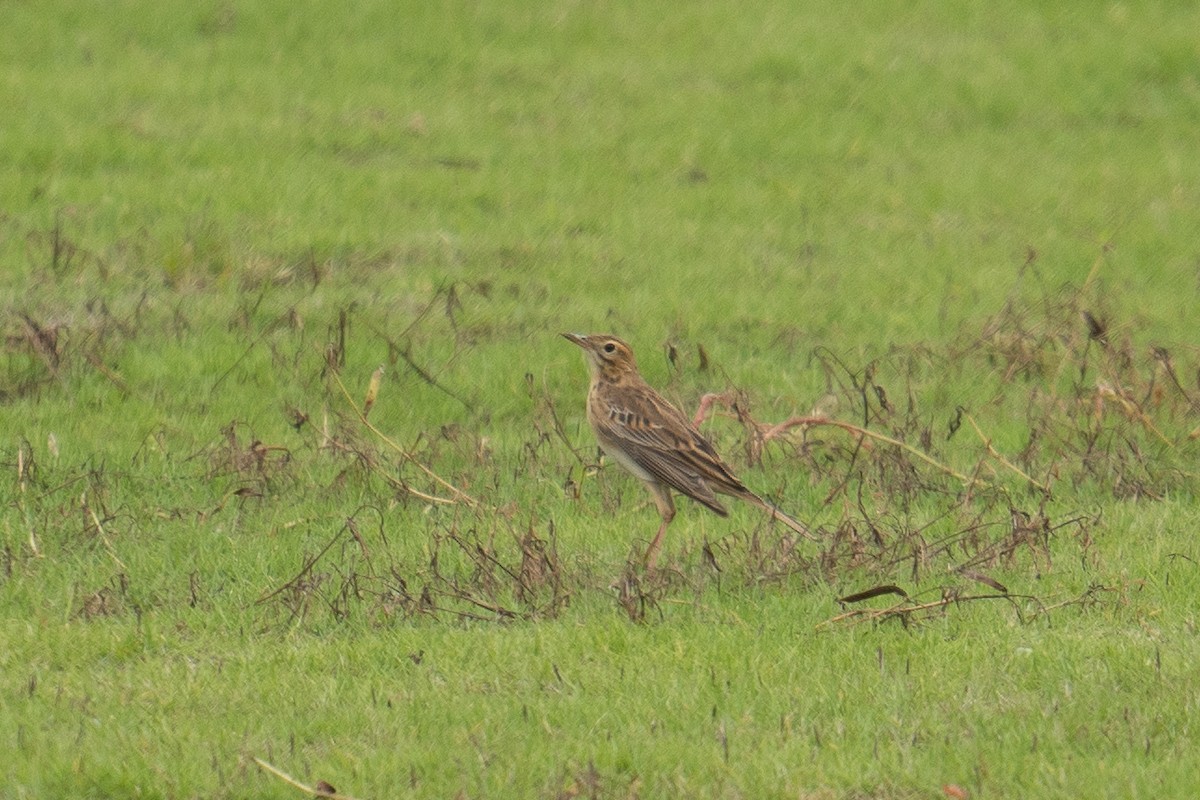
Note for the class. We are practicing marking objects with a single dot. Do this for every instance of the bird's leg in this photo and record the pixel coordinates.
(652, 554)
(666, 509)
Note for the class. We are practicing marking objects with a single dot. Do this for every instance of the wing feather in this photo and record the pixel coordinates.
(657, 437)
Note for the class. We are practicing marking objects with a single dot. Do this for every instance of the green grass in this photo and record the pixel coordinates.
(212, 214)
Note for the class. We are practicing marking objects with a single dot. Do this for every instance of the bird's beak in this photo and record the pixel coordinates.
(576, 338)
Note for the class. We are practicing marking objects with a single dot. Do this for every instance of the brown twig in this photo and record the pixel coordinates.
(556, 424)
(288, 779)
(987, 443)
(773, 431)
(304, 570)
(907, 608)
(460, 495)
(706, 404)
(114, 378)
(1131, 409)
(406, 354)
(44, 343)
(112, 551)
(770, 432)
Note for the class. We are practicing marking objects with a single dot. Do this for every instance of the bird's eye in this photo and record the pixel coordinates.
(610, 348)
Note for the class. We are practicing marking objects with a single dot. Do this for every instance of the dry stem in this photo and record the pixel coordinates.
(460, 495)
(288, 779)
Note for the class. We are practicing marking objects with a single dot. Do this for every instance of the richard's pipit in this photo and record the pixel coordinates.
(651, 438)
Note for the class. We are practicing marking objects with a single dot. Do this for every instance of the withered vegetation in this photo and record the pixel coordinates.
(914, 492)
(919, 502)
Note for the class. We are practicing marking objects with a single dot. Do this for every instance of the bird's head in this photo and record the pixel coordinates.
(607, 356)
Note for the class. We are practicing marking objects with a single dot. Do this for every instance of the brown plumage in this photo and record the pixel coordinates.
(644, 433)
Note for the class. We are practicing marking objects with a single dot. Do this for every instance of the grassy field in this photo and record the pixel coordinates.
(953, 244)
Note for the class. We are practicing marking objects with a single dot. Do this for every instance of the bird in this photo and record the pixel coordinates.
(639, 429)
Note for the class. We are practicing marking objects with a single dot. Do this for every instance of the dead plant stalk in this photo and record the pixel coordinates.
(459, 495)
(288, 779)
